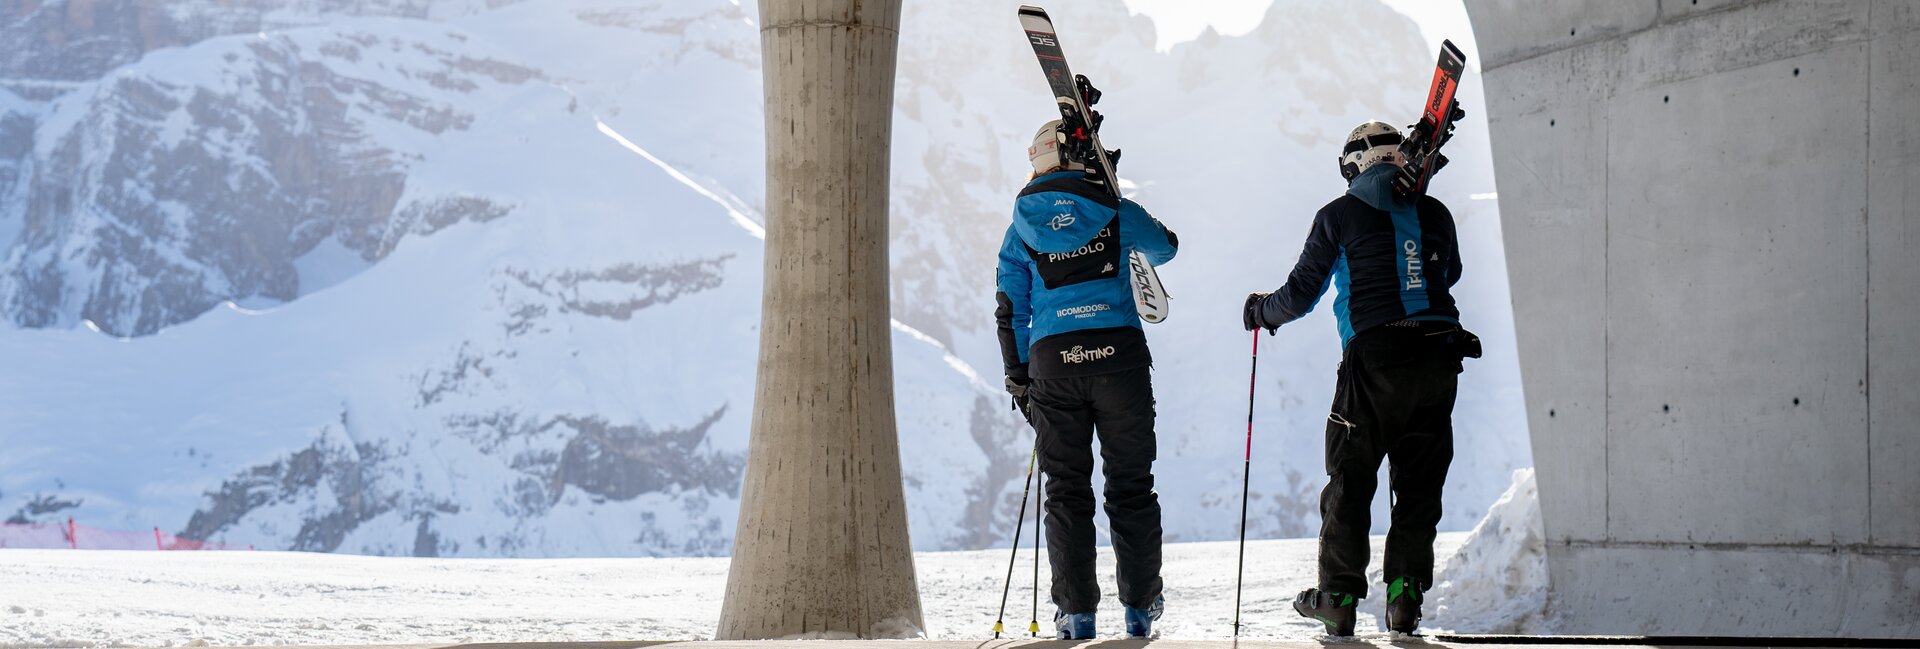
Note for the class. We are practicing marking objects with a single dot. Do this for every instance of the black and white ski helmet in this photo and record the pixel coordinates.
(1045, 151)
(1370, 144)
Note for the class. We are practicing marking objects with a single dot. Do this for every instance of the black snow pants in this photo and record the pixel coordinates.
(1067, 413)
(1394, 400)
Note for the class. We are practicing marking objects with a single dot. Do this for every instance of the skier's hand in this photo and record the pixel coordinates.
(1017, 388)
(1250, 314)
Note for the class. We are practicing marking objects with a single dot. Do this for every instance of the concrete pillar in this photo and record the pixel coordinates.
(822, 542)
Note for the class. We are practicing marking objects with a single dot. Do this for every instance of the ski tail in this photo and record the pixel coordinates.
(1446, 81)
(1421, 148)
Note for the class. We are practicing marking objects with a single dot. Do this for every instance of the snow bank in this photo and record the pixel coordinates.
(1497, 581)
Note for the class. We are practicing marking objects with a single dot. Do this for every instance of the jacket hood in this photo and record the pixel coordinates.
(1059, 221)
(1375, 188)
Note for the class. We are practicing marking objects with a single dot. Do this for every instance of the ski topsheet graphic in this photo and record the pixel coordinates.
(1081, 132)
(1421, 148)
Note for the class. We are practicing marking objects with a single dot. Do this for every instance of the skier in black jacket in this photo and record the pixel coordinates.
(1393, 261)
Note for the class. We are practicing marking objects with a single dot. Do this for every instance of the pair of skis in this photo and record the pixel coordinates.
(1080, 131)
(1421, 147)
(1076, 96)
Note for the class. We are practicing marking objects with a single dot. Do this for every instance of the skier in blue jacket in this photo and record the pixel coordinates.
(1393, 260)
(1077, 366)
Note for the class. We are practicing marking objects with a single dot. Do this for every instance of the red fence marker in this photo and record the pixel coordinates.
(55, 535)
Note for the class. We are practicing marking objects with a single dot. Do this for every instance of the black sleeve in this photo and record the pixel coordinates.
(1443, 220)
(1009, 342)
(1310, 275)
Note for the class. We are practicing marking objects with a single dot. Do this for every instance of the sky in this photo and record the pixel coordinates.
(1182, 20)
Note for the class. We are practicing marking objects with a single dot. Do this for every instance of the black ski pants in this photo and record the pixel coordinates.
(1067, 413)
(1394, 400)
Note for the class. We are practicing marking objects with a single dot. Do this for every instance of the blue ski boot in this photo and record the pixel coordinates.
(1140, 620)
(1073, 626)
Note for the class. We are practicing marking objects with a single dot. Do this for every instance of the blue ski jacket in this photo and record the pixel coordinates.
(1065, 298)
(1391, 259)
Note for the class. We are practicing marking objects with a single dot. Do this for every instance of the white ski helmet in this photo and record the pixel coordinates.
(1045, 152)
(1370, 144)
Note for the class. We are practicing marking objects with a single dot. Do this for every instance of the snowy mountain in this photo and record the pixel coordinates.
(481, 278)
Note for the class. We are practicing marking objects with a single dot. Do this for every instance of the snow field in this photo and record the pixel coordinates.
(1490, 579)
(103, 598)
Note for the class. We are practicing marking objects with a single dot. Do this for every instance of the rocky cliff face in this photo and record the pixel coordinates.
(52, 41)
(204, 175)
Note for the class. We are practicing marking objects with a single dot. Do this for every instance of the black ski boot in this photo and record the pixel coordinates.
(1336, 610)
(1403, 606)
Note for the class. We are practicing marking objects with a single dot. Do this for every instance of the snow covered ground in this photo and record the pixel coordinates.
(100, 598)
(1492, 579)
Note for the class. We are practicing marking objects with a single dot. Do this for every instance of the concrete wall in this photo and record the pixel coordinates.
(1709, 209)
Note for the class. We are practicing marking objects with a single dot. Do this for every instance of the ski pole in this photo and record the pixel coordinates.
(999, 622)
(1246, 471)
(1040, 496)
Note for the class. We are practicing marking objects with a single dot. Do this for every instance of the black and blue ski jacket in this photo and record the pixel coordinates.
(1065, 288)
(1391, 259)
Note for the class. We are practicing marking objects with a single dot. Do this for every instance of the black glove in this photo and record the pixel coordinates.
(1250, 314)
(1017, 388)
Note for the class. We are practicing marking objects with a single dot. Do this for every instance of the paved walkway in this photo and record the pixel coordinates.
(1361, 643)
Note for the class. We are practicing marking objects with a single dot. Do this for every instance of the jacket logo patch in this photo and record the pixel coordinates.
(1060, 221)
(1080, 354)
(1413, 278)
(1097, 259)
(1096, 246)
(1086, 311)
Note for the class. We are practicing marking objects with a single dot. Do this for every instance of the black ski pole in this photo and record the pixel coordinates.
(999, 622)
(1246, 471)
(1039, 496)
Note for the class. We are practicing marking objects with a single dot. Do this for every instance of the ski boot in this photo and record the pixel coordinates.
(1140, 620)
(1403, 605)
(1336, 610)
(1072, 626)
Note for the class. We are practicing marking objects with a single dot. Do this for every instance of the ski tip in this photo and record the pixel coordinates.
(1031, 10)
(1447, 45)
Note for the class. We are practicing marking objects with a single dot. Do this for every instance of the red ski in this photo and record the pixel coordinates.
(1422, 145)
